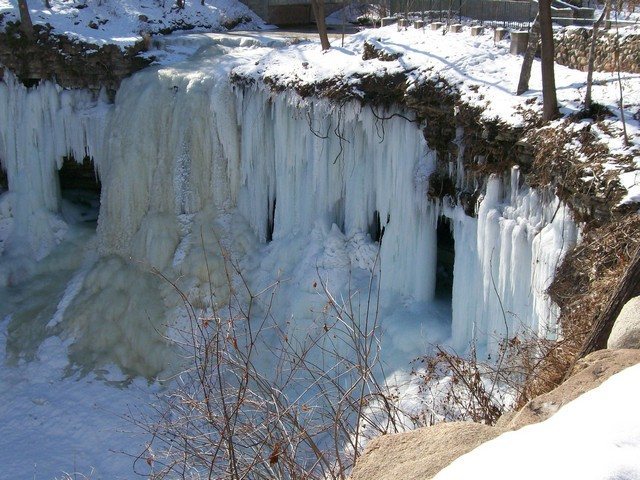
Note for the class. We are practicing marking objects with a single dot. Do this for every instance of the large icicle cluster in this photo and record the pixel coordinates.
(505, 260)
(190, 167)
(38, 127)
(341, 166)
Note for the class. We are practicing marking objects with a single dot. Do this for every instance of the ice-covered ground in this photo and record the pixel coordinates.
(60, 423)
(123, 22)
(221, 162)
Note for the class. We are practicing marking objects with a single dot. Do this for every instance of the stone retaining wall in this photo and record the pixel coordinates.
(572, 49)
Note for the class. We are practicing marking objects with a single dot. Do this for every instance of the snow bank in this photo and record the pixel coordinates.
(595, 437)
(122, 22)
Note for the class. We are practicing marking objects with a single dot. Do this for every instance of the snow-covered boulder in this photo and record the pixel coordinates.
(587, 374)
(595, 437)
(626, 330)
(422, 453)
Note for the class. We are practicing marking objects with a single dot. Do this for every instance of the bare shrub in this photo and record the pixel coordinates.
(464, 388)
(263, 399)
(584, 283)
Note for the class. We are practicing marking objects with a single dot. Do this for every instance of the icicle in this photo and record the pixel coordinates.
(39, 126)
(505, 261)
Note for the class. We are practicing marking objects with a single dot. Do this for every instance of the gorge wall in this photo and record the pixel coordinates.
(68, 62)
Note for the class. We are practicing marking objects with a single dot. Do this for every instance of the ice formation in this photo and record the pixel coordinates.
(505, 261)
(39, 127)
(193, 169)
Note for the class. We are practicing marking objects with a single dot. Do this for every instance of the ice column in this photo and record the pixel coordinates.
(340, 165)
(505, 260)
(38, 127)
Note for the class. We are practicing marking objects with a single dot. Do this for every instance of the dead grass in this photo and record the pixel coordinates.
(573, 158)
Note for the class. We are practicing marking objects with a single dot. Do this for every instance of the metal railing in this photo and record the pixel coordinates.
(505, 13)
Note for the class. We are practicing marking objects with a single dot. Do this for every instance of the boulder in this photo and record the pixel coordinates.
(626, 330)
(587, 374)
(421, 453)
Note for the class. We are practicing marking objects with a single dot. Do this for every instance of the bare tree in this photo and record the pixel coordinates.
(529, 54)
(592, 54)
(618, 68)
(549, 100)
(26, 26)
(318, 13)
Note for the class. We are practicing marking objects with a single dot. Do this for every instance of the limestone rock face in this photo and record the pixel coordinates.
(422, 453)
(72, 64)
(626, 330)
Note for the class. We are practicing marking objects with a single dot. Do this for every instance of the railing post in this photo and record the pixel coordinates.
(504, 15)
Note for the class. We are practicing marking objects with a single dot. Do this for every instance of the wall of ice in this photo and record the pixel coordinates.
(505, 260)
(39, 127)
(365, 170)
(193, 171)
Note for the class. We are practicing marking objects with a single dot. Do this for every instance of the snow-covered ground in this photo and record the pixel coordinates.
(122, 22)
(357, 14)
(57, 423)
(595, 437)
(483, 71)
(57, 419)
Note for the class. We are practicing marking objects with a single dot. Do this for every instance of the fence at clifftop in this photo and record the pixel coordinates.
(506, 13)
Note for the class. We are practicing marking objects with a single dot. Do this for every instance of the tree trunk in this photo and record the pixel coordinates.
(549, 100)
(625, 136)
(318, 12)
(47, 3)
(627, 288)
(529, 54)
(592, 56)
(26, 26)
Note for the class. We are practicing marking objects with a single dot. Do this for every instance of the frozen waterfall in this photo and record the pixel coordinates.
(194, 169)
(505, 260)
